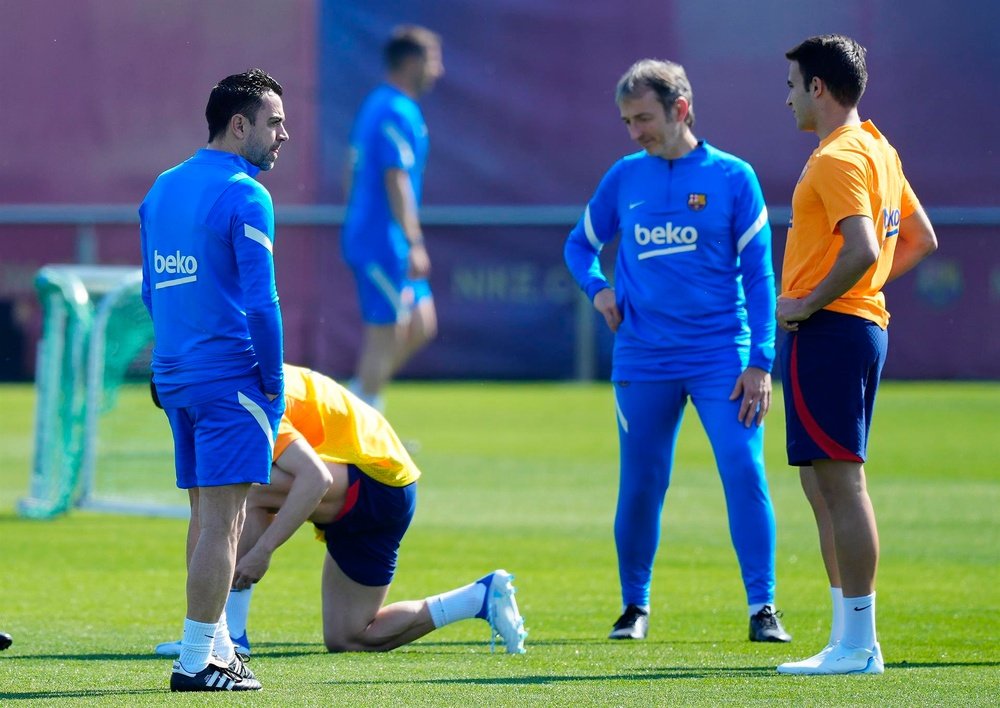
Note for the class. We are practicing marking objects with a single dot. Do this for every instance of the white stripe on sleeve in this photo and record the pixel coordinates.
(752, 231)
(405, 151)
(255, 234)
(588, 228)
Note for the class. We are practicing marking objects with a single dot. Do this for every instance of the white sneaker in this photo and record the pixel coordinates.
(502, 614)
(169, 648)
(838, 659)
(795, 667)
(174, 648)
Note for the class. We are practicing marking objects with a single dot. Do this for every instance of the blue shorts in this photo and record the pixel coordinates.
(830, 370)
(385, 292)
(364, 538)
(228, 440)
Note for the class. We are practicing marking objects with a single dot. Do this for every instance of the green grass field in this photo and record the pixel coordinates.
(524, 476)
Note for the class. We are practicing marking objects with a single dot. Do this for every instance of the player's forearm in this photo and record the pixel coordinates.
(858, 254)
(916, 241)
(846, 272)
(403, 204)
(758, 283)
(266, 333)
(760, 316)
(302, 499)
(584, 265)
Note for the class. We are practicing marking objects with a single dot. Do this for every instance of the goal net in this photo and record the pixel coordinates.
(99, 441)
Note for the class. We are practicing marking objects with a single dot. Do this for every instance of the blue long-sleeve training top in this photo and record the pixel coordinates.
(206, 229)
(694, 280)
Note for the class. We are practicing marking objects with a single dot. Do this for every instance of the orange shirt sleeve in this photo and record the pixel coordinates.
(909, 203)
(845, 180)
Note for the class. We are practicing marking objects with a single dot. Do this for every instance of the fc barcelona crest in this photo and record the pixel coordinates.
(697, 202)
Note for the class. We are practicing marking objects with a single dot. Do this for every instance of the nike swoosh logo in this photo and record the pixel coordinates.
(633, 205)
(860, 609)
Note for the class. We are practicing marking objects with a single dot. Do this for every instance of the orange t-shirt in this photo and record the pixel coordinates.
(853, 172)
(341, 428)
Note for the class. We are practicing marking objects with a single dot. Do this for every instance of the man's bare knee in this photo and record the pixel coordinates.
(337, 645)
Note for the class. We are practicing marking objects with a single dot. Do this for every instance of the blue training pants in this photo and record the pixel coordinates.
(649, 417)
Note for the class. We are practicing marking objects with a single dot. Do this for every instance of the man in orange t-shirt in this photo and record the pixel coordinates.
(856, 225)
(339, 464)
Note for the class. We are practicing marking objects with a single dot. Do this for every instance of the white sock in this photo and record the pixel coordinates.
(859, 621)
(837, 623)
(238, 610)
(223, 645)
(455, 605)
(758, 606)
(196, 645)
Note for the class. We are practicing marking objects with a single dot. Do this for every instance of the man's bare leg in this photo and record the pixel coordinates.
(852, 518)
(418, 332)
(824, 525)
(379, 352)
(220, 515)
(355, 620)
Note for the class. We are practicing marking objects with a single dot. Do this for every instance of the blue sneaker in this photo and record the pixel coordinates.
(241, 644)
(500, 610)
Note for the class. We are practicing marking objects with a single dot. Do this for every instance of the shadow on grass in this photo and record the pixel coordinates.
(651, 674)
(82, 693)
(663, 673)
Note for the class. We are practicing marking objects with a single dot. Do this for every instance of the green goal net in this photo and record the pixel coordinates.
(99, 441)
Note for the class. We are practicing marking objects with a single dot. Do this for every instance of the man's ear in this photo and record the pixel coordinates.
(238, 125)
(682, 107)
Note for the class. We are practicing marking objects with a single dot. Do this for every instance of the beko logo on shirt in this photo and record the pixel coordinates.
(890, 220)
(678, 238)
(175, 264)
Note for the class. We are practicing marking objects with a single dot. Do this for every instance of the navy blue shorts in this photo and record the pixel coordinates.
(364, 538)
(830, 371)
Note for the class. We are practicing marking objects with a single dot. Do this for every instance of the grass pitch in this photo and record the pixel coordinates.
(524, 476)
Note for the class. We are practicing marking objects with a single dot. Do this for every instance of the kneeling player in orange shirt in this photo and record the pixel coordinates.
(339, 464)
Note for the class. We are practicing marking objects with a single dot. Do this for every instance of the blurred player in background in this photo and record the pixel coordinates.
(339, 464)
(207, 228)
(856, 224)
(692, 311)
(382, 238)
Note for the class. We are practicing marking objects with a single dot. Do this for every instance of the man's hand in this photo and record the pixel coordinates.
(420, 262)
(604, 302)
(790, 311)
(755, 386)
(251, 568)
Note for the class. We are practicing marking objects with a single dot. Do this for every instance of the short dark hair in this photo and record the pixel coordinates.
(666, 78)
(408, 41)
(237, 94)
(838, 60)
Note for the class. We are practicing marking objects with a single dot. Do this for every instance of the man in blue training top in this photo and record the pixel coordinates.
(692, 311)
(382, 239)
(207, 228)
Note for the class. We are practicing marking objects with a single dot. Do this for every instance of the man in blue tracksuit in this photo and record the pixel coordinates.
(207, 228)
(382, 239)
(692, 310)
